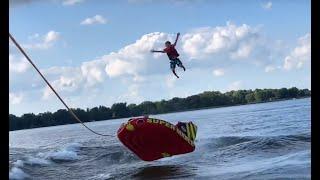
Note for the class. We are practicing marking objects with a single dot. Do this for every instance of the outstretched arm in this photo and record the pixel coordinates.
(175, 42)
(157, 51)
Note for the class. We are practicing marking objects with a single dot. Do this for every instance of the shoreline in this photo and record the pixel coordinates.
(216, 107)
(194, 109)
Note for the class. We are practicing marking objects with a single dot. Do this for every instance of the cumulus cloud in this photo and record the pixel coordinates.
(201, 44)
(218, 72)
(51, 36)
(118, 67)
(68, 80)
(44, 42)
(18, 65)
(242, 52)
(136, 62)
(269, 68)
(71, 2)
(93, 71)
(135, 65)
(65, 80)
(237, 41)
(97, 19)
(132, 95)
(236, 85)
(15, 98)
(267, 5)
(63, 84)
(300, 54)
(135, 59)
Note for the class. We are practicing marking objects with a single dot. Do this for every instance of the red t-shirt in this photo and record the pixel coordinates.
(171, 52)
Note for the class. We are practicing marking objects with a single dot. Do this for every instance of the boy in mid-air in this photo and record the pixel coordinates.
(173, 55)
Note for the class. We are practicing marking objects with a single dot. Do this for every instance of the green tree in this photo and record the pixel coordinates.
(148, 107)
(250, 97)
(120, 110)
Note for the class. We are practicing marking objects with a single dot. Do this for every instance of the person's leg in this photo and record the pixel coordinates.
(174, 72)
(184, 69)
(179, 63)
(173, 67)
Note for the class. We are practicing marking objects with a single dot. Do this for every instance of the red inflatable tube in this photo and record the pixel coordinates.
(151, 139)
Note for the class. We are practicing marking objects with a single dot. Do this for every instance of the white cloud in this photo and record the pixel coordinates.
(269, 68)
(132, 95)
(218, 72)
(203, 43)
(267, 5)
(133, 66)
(51, 36)
(71, 2)
(15, 98)
(65, 80)
(44, 42)
(74, 79)
(135, 59)
(63, 84)
(138, 78)
(300, 54)
(119, 67)
(97, 19)
(93, 71)
(236, 85)
(242, 52)
(18, 65)
(136, 62)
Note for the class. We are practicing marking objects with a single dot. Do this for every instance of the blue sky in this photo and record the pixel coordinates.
(97, 52)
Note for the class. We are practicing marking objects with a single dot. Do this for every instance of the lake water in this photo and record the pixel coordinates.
(257, 141)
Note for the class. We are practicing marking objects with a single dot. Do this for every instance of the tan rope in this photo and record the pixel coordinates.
(70, 110)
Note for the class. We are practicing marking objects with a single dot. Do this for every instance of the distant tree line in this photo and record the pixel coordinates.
(206, 99)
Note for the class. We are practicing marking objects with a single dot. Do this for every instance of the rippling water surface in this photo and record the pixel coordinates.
(258, 141)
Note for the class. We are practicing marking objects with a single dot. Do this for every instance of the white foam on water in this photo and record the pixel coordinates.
(102, 176)
(18, 163)
(68, 153)
(17, 174)
(36, 161)
(64, 155)
(31, 161)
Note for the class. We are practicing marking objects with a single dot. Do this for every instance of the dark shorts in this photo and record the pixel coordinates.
(174, 62)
